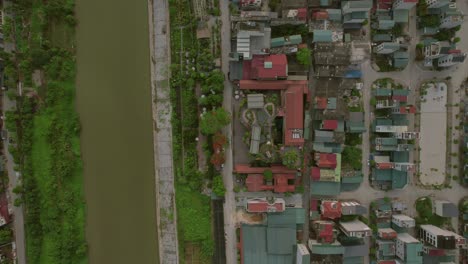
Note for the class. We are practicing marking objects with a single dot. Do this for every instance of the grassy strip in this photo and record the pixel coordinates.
(194, 213)
(47, 129)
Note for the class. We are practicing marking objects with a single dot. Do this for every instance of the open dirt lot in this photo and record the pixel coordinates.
(433, 134)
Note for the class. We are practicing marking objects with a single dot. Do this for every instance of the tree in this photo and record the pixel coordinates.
(5, 235)
(456, 40)
(303, 56)
(218, 185)
(353, 157)
(214, 121)
(268, 175)
(290, 158)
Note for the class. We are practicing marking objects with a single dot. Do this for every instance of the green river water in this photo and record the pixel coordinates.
(114, 103)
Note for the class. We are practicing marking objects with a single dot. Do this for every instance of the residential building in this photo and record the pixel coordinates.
(404, 4)
(355, 12)
(352, 208)
(286, 41)
(250, 3)
(323, 36)
(292, 108)
(263, 205)
(434, 49)
(355, 228)
(326, 160)
(266, 67)
(403, 221)
(409, 249)
(303, 254)
(355, 124)
(398, 206)
(385, 249)
(298, 14)
(253, 42)
(451, 21)
(386, 233)
(451, 59)
(400, 59)
(387, 48)
(274, 241)
(330, 209)
(440, 238)
(281, 183)
(445, 208)
(324, 232)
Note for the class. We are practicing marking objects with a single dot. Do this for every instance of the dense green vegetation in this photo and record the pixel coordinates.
(47, 130)
(353, 157)
(425, 214)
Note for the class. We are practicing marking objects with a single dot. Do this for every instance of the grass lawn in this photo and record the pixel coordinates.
(425, 215)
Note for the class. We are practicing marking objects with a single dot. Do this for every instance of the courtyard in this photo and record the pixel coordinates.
(433, 133)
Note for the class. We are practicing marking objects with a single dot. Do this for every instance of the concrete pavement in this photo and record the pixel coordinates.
(162, 132)
(18, 214)
(230, 203)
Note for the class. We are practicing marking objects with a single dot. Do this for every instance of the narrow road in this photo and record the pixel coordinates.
(230, 203)
(18, 215)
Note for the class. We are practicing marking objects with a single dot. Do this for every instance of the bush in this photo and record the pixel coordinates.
(456, 40)
(353, 157)
(290, 158)
(303, 56)
(268, 175)
(214, 121)
(218, 186)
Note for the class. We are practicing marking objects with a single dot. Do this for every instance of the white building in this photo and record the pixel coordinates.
(451, 21)
(403, 221)
(408, 248)
(355, 228)
(302, 255)
(440, 238)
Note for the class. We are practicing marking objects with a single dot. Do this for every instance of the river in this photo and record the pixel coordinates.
(114, 103)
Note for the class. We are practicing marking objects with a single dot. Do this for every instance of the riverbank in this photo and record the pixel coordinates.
(162, 131)
(45, 130)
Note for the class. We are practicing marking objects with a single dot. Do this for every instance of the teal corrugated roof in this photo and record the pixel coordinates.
(386, 24)
(388, 141)
(382, 175)
(254, 244)
(322, 36)
(382, 37)
(353, 260)
(355, 127)
(413, 253)
(352, 179)
(324, 188)
(277, 42)
(400, 156)
(324, 2)
(404, 92)
(327, 249)
(290, 217)
(334, 14)
(400, 63)
(383, 122)
(401, 15)
(382, 92)
(399, 179)
(295, 39)
(280, 240)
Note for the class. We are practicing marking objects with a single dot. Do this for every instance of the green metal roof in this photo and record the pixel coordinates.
(383, 122)
(353, 260)
(327, 147)
(382, 92)
(401, 15)
(382, 175)
(386, 248)
(327, 249)
(324, 188)
(400, 156)
(404, 92)
(290, 217)
(399, 179)
(386, 24)
(355, 127)
(277, 42)
(254, 244)
(324, 2)
(334, 14)
(382, 37)
(352, 179)
(322, 36)
(295, 39)
(388, 141)
(280, 240)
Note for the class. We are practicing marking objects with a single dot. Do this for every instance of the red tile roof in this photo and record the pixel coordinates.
(302, 13)
(407, 109)
(321, 102)
(387, 262)
(331, 209)
(320, 15)
(278, 69)
(294, 116)
(326, 232)
(281, 183)
(315, 173)
(436, 252)
(313, 204)
(330, 124)
(326, 160)
(384, 165)
(247, 169)
(262, 206)
(271, 85)
(390, 234)
(254, 182)
(454, 51)
(400, 98)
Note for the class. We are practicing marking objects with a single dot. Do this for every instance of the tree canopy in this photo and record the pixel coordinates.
(290, 158)
(218, 185)
(213, 121)
(303, 56)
